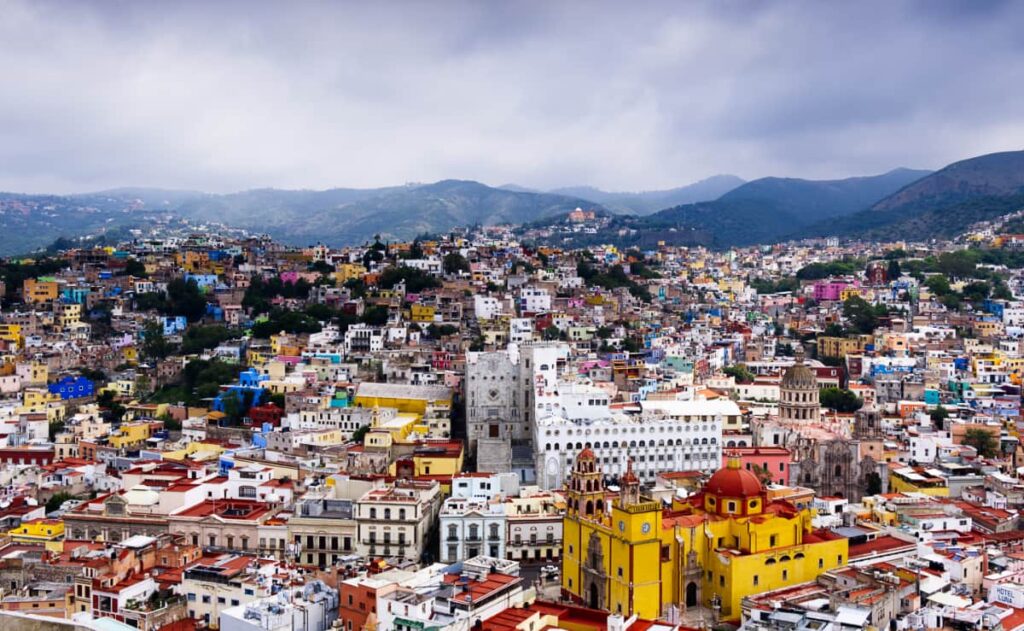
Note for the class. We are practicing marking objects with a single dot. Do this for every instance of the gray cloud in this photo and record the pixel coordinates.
(232, 95)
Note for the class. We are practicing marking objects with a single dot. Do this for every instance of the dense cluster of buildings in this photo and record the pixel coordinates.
(472, 432)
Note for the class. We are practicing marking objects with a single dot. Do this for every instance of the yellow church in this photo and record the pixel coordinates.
(627, 554)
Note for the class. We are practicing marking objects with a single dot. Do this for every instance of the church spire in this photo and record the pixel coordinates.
(630, 486)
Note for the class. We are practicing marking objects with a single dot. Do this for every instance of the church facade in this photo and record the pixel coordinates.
(626, 553)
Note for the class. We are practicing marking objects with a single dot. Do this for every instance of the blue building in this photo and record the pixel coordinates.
(205, 281)
(174, 324)
(72, 387)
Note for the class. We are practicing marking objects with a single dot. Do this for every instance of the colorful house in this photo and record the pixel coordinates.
(72, 387)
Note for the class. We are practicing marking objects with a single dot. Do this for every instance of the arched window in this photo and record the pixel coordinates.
(387, 513)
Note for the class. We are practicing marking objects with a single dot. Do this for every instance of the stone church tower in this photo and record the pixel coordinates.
(798, 393)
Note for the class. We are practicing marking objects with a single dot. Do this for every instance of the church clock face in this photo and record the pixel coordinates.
(622, 526)
(645, 528)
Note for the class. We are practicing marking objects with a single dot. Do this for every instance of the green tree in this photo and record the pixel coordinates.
(938, 285)
(840, 399)
(976, 291)
(939, 416)
(893, 271)
(454, 263)
(859, 313)
(959, 264)
(55, 501)
(982, 440)
(154, 344)
(740, 373)
(360, 434)
(135, 267)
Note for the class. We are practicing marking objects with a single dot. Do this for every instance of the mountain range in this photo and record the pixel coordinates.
(721, 211)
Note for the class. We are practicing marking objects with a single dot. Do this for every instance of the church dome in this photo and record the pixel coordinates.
(799, 376)
(734, 481)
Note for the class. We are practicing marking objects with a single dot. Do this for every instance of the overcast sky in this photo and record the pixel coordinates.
(625, 96)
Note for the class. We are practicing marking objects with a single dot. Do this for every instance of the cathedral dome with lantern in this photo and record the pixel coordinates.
(733, 491)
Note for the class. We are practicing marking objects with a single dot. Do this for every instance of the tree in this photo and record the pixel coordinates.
(135, 267)
(154, 344)
(938, 285)
(552, 333)
(939, 415)
(959, 264)
(860, 314)
(360, 433)
(833, 330)
(893, 272)
(982, 440)
(976, 291)
(186, 299)
(840, 400)
(455, 263)
(740, 373)
(56, 500)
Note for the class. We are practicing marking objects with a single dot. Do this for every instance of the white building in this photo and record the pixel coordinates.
(486, 307)
(310, 607)
(666, 436)
(534, 300)
(473, 518)
(395, 521)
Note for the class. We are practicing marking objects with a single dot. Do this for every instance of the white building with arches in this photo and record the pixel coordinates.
(659, 436)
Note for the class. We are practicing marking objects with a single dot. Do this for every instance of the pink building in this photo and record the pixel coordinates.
(770, 463)
(831, 289)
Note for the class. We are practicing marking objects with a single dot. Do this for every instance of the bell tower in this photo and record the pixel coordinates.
(629, 494)
(586, 488)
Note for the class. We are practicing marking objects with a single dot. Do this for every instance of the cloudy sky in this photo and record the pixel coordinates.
(626, 96)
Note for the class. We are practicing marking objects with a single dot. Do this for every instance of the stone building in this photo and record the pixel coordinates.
(839, 467)
(799, 394)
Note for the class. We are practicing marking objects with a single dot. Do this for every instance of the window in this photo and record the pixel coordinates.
(771, 541)
(755, 579)
(206, 599)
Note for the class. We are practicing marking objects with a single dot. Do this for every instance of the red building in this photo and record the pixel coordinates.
(26, 455)
(261, 414)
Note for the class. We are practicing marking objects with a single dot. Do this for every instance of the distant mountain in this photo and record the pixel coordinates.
(29, 222)
(768, 209)
(346, 216)
(942, 204)
(647, 202)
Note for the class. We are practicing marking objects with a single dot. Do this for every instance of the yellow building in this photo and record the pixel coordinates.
(408, 399)
(628, 555)
(131, 435)
(11, 333)
(39, 290)
(348, 271)
(38, 531)
(842, 346)
(421, 313)
(909, 480)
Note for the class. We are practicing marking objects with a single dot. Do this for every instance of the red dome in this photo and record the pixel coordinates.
(734, 482)
(586, 454)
